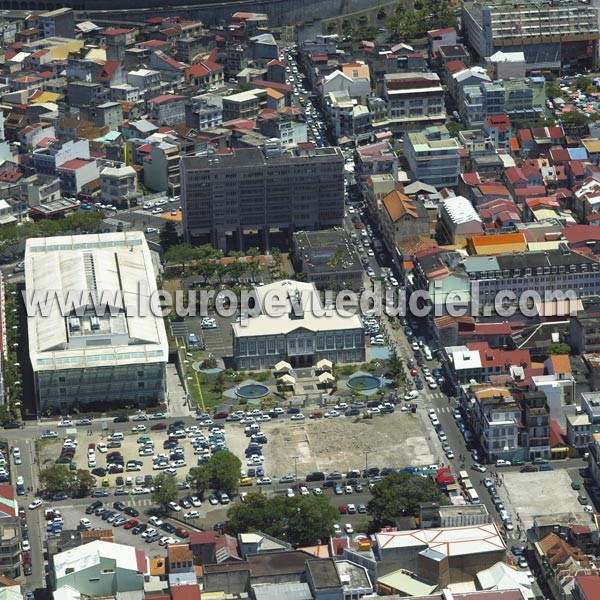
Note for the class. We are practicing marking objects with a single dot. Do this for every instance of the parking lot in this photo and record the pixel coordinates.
(529, 494)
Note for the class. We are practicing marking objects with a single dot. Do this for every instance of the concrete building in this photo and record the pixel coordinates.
(459, 219)
(579, 433)
(538, 271)
(99, 569)
(83, 357)
(167, 109)
(414, 97)
(265, 190)
(552, 34)
(118, 185)
(506, 65)
(348, 120)
(327, 259)
(584, 333)
(496, 417)
(161, 168)
(375, 159)
(56, 23)
(203, 112)
(402, 218)
(107, 114)
(76, 173)
(433, 157)
(146, 80)
(594, 459)
(443, 556)
(244, 105)
(290, 128)
(10, 532)
(300, 337)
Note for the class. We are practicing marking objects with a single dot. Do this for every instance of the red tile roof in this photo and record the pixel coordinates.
(108, 70)
(455, 66)
(501, 122)
(275, 63)
(115, 31)
(76, 163)
(578, 234)
(280, 87)
(589, 586)
(163, 98)
(556, 434)
(185, 592)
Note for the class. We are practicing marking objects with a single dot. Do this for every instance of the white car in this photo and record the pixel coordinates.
(348, 528)
(155, 521)
(35, 504)
(478, 467)
(101, 448)
(66, 423)
(264, 481)
(318, 491)
(139, 490)
(304, 490)
(26, 546)
(195, 501)
(138, 428)
(174, 506)
(150, 531)
(20, 480)
(435, 421)
(503, 463)
(297, 417)
(290, 493)
(166, 541)
(412, 395)
(191, 514)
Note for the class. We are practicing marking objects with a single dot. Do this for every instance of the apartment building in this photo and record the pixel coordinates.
(496, 416)
(433, 157)
(118, 185)
(553, 34)
(161, 167)
(10, 533)
(245, 105)
(584, 334)
(56, 23)
(266, 190)
(347, 118)
(167, 109)
(203, 112)
(299, 337)
(414, 97)
(579, 433)
(539, 272)
(535, 432)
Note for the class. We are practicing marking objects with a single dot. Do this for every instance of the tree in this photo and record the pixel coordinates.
(168, 236)
(400, 494)
(224, 468)
(553, 91)
(200, 479)
(219, 385)
(181, 254)
(302, 520)
(558, 349)
(395, 368)
(583, 83)
(57, 478)
(454, 128)
(165, 491)
(254, 253)
(84, 481)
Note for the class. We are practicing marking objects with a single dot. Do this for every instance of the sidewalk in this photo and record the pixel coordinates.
(176, 405)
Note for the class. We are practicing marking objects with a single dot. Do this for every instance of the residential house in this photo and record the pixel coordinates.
(459, 219)
(167, 109)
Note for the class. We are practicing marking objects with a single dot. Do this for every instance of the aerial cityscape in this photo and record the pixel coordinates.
(300, 300)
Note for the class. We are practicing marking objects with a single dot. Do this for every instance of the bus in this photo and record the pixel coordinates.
(473, 496)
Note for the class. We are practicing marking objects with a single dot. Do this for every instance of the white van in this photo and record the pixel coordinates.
(116, 437)
(427, 353)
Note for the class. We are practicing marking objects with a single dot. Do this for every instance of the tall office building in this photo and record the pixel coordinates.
(260, 196)
(553, 34)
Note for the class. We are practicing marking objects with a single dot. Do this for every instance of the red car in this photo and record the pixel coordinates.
(357, 226)
(92, 445)
(26, 558)
(182, 533)
(221, 415)
(112, 469)
(414, 372)
(343, 509)
(131, 524)
(158, 427)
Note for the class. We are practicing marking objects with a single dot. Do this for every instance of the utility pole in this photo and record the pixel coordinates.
(295, 468)
(366, 453)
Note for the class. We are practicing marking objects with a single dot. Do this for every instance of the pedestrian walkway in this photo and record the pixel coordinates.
(176, 396)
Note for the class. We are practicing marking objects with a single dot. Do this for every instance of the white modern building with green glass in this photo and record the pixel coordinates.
(83, 355)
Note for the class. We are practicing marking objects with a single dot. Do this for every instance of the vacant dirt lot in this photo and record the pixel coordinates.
(396, 440)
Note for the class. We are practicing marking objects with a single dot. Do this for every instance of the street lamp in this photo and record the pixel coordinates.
(295, 468)
(366, 453)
